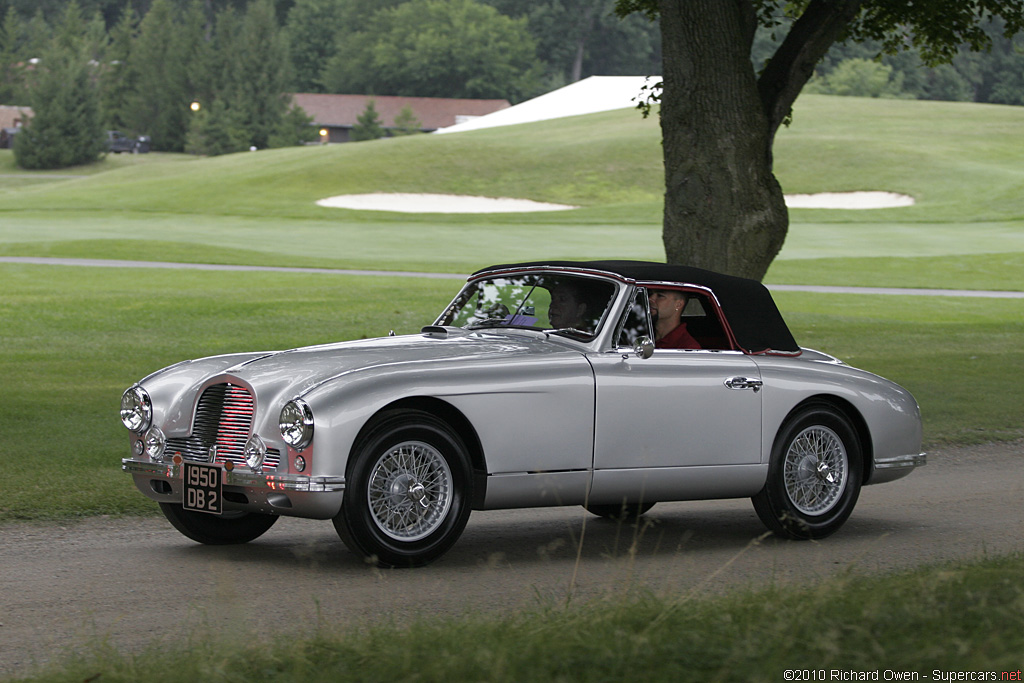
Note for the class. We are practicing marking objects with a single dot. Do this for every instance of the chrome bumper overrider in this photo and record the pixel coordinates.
(245, 478)
(901, 461)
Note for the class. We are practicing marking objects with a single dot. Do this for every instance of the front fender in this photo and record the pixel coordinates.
(518, 409)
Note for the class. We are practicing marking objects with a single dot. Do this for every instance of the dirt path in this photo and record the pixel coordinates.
(137, 581)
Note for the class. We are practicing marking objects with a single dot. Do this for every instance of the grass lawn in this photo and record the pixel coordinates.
(994, 271)
(260, 207)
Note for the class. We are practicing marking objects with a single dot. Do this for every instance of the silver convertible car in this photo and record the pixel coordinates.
(613, 385)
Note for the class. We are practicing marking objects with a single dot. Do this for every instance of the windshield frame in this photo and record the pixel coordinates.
(600, 328)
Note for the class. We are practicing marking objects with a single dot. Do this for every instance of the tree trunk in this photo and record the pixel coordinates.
(586, 26)
(577, 60)
(724, 209)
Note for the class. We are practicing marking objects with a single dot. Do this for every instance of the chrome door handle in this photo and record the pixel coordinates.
(744, 383)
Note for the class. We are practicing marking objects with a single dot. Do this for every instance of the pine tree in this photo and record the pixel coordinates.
(117, 81)
(66, 128)
(11, 70)
(368, 124)
(295, 128)
(164, 71)
(406, 123)
(251, 79)
(216, 130)
(258, 87)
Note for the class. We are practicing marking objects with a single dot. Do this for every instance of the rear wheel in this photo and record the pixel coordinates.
(814, 475)
(227, 529)
(408, 491)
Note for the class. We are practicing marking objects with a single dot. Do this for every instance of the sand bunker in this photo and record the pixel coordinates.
(451, 203)
(848, 200)
(438, 203)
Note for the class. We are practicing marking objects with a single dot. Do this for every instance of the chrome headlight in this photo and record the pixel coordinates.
(155, 443)
(136, 409)
(255, 453)
(296, 424)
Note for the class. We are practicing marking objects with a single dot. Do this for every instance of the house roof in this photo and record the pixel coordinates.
(433, 112)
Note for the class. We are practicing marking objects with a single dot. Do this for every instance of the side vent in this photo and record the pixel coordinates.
(435, 331)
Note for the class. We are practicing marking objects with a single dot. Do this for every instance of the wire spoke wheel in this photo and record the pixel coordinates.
(410, 491)
(815, 470)
(814, 476)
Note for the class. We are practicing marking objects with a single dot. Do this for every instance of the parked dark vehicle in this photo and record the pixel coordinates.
(118, 142)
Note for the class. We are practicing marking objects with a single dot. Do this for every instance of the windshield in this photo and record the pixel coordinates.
(570, 305)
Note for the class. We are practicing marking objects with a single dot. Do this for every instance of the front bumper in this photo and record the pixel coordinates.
(248, 479)
(896, 467)
(297, 495)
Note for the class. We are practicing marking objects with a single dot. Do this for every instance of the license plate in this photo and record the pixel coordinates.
(203, 488)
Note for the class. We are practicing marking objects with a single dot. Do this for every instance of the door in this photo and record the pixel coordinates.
(676, 409)
(680, 424)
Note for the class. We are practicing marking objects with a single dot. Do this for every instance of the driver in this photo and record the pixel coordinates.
(567, 309)
(666, 313)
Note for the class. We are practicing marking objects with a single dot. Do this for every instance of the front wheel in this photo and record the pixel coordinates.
(814, 475)
(408, 491)
(227, 529)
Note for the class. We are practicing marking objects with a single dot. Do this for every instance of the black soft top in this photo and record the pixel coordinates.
(748, 306)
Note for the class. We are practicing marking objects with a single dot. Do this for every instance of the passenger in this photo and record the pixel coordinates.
(666, 313)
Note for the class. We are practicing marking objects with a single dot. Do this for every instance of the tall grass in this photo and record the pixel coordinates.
(945, 619)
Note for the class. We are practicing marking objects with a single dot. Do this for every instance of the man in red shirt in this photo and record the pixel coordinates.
(669, 330)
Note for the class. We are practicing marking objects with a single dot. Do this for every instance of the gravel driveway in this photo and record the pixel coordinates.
(136, 581)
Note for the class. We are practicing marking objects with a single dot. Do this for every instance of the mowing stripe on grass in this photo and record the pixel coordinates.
(902, 291)
(107, 263)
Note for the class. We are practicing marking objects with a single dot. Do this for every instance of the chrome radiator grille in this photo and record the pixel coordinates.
(223, 419)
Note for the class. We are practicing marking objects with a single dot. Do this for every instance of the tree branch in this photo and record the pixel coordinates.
(792, 65)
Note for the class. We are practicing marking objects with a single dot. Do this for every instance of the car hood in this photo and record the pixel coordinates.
(306, 367)
(279, 376)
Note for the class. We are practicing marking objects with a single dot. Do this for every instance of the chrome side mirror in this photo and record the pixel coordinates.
(644, 347)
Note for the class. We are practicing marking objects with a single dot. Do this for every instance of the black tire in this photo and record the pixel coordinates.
(814, 476)
(408, 489)
(623, 512)
(227, 529)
